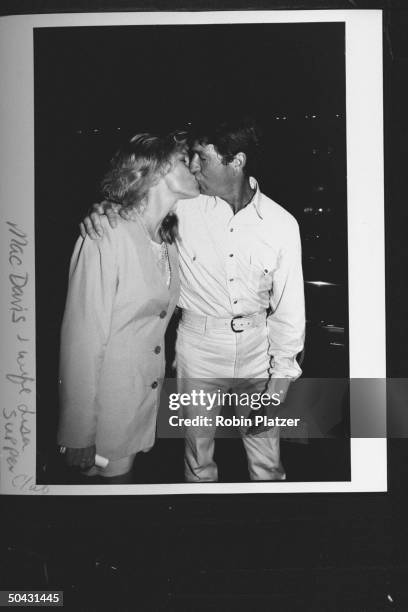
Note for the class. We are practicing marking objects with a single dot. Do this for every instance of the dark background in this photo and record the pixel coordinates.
(95, 86)
(287, 552)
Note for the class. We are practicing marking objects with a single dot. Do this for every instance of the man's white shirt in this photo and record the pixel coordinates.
(242, 264)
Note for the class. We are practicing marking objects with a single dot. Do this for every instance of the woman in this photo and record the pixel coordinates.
(122, 292)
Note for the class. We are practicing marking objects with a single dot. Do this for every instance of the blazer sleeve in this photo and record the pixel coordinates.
(84, 336)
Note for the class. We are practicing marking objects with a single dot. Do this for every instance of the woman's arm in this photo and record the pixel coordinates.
(84, 335)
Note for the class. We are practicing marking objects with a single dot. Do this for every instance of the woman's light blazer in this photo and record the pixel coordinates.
(112, 341)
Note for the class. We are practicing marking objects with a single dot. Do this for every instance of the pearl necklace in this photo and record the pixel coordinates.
(162, 252)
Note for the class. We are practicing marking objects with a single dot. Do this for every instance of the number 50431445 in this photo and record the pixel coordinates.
(31, 598)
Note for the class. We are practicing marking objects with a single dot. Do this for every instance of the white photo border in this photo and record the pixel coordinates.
(365, 211)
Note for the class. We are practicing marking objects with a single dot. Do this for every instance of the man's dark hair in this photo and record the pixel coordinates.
(229, 137)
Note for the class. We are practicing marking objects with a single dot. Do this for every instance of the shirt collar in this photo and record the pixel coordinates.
(255, 200)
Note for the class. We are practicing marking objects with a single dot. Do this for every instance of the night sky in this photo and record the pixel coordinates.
(168, 74)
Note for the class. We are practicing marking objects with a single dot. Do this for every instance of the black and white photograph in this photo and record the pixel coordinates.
(203, 315)
(230, 120)
(196, 212)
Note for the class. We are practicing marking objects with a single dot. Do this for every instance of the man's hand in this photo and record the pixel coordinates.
(92, 225)
(83, 458)
(277, 389)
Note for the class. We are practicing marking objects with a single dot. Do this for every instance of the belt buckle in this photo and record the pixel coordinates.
(237, 331)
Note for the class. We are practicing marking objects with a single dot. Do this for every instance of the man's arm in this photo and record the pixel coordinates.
(286, 325)
(92, 224)
(286, 322)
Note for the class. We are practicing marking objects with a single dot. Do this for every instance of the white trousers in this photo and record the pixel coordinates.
(220, 359)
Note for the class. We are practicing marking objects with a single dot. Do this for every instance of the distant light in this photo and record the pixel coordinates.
(321, 284)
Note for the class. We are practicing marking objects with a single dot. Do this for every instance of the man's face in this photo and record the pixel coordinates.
(180, 180)
(213, 177)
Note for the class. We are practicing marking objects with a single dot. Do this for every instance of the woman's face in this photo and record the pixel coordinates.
(180, 180)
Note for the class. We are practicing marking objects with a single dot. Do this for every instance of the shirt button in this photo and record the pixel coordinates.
(157, 350)
(155, 384)
(162, 314)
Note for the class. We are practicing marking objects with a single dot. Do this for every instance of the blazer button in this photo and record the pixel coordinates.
(157, 350)
(162, 314)
(154, 384)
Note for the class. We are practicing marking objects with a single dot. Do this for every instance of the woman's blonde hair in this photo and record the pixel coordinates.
(136, 167)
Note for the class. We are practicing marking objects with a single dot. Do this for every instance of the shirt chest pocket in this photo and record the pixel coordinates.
(262, 265)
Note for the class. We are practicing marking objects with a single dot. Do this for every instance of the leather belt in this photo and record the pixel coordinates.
(237, 324)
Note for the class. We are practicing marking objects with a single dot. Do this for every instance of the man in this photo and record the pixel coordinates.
(242, 296)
